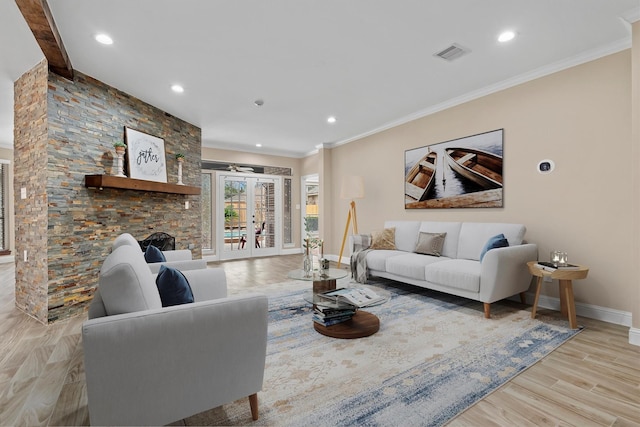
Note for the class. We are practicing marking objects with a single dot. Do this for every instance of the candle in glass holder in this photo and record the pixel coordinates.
(555, 257)
(563, 259)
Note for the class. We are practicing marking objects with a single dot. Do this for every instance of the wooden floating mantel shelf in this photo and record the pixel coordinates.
(124, 183)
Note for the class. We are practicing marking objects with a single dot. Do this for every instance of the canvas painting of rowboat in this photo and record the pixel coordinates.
(461, 173)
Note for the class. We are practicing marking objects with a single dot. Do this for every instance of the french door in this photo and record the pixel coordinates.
(248, 217)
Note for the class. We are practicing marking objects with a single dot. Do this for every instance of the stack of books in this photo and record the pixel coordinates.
(327, 316)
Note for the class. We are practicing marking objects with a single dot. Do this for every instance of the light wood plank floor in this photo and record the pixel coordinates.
(594, 379)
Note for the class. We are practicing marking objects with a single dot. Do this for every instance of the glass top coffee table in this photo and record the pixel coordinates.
(361, 324)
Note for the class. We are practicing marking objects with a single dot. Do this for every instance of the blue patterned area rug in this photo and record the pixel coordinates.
(433, 357)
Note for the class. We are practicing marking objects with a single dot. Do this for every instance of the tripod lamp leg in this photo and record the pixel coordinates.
(344, 238)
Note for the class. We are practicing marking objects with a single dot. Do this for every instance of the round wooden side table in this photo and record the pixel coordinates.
(565, 278)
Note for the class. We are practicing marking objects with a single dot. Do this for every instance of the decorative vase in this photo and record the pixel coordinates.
(307, 263)
(180, 160)
(120, 161)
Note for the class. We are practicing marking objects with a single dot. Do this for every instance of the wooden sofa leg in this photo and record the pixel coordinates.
(253, 402)
(487, 310)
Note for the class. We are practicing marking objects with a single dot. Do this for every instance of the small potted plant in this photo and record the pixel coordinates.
(119, 146)
(180, 159)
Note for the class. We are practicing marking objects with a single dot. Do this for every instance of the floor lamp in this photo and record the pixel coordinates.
(352, 188)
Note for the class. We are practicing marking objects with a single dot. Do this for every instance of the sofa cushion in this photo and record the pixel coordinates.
(455, 273)
(377, 260)
(430, 243)
(450, 248)
(153, 254)
(173, 287)
(406, 234)
(498, 241)
(126, 283)
(474, 235)
(384, 239)
(410, 265)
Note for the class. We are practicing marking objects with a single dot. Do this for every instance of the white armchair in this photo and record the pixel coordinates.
(180, 259)
(149, 365)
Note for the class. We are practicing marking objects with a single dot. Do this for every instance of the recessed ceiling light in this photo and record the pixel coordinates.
(258, 145)
(104, 39)
(258, 102)
(331, 119)
(506, 36)
(177, 88)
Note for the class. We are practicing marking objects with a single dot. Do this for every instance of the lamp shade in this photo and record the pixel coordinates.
(352, 188)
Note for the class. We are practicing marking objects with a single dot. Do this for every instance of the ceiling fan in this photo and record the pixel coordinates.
(235, 168)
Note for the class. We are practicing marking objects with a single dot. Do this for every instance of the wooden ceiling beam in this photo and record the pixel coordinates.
(40, 21)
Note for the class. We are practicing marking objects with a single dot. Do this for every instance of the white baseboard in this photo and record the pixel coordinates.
(634, 336)
(596, 312)
(7, 259)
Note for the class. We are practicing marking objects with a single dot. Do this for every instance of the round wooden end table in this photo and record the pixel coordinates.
(565, 278)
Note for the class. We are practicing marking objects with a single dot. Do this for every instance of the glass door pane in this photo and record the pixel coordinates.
(264, 208)
(207, 211)
(235, 215)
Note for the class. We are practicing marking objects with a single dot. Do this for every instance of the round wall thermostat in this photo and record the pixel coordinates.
(546, 166)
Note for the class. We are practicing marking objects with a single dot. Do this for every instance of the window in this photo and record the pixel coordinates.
(287, 210)
(4, 195)
(207, 211)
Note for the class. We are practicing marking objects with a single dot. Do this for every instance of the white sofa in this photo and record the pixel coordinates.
(501, 274)
(151, 365)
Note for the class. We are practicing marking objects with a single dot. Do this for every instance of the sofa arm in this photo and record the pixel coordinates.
(183, 265)
(158, 366)
(178, 255)
(207, 284)
(504, 272)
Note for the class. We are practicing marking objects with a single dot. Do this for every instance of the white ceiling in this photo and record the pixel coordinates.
(370, 63)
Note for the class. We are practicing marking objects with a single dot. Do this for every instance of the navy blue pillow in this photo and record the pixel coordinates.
(498, 241)
(173, 287)
(153, 254)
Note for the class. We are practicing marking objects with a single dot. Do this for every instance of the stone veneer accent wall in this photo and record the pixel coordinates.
(64, 132)
(30, 173)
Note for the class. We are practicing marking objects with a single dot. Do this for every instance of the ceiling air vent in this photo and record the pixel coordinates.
(452, 52)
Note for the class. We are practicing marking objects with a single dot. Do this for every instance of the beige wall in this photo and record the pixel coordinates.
(581, 119)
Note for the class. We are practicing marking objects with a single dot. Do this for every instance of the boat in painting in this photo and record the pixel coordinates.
(421, 177)
(479, 166)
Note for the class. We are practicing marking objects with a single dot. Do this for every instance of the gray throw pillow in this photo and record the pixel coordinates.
(430, 243)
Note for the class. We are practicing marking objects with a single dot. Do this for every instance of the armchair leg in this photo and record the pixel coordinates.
(253, 402)
(487, 310)
(523, 297)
